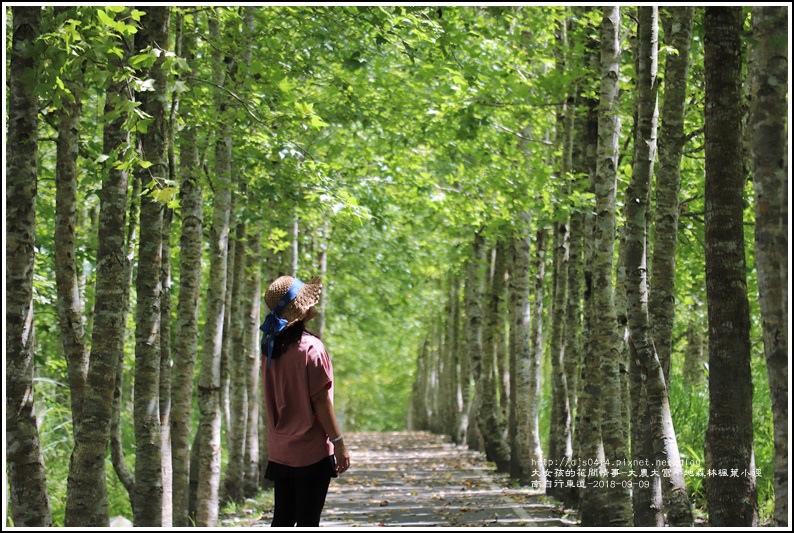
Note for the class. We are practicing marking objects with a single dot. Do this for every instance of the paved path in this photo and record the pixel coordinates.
(419, 480)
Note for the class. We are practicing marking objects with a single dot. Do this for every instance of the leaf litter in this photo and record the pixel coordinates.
(420, 479)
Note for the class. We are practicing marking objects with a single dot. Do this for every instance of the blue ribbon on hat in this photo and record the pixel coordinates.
(274, 324)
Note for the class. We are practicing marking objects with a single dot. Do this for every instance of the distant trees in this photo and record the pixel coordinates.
(493, 427)
(578, 277)
(370, 143)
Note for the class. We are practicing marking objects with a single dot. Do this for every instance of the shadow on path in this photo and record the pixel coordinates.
(419, 479)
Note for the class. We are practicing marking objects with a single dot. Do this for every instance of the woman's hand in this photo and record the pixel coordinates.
(341, 456)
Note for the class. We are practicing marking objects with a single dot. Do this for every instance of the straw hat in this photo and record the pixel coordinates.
(296, 310)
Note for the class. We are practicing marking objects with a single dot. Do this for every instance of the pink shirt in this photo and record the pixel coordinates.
(295, 436)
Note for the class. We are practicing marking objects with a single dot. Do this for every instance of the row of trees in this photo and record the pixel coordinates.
(608, 346)
(123, 94)
(164, 163)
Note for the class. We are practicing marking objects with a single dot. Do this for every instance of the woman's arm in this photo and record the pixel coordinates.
(324, 408)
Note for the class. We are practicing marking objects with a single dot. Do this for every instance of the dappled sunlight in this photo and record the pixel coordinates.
(419, 479)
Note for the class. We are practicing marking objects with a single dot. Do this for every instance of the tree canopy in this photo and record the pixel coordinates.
(376, 141)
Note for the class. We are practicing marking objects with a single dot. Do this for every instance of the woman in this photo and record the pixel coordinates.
(305, 447)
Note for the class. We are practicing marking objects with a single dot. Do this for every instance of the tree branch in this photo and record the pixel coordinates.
(240, 100)
(691, 135)
(522, 137)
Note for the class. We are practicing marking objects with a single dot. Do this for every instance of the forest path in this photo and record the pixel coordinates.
(419, 479)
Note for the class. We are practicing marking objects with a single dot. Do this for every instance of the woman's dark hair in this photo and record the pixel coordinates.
(287, 338)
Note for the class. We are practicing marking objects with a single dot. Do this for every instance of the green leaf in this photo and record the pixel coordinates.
(164, 195)
(286, 85)
(115, 50)
(105, 19)
(144, 60)
(126, 29)
(307, 108)
(142, 126)
(317, 122)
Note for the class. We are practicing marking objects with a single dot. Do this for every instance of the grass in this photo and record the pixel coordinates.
(247, 512)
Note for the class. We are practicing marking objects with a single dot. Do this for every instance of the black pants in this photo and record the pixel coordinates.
(299, 501)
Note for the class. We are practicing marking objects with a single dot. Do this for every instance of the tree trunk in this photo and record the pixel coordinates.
(420, 417)
(729, 435)
(560, 451)
(232, 357)
(445, 374)
(294, 258)
(451, 380)
(252, 459)
(473, 333)
(118, 139)
(227, 348)
(625, 356)
(193, 475)
(148, 457)
(490, 422)
(571, 305)
(665, 446)
(768, 126)
(526, 459)
(209, 431)
(89, 218)
(588, 444)
(646, 497)
(573, 313)
(605, 339)
(70, 306)
(437, 351)
(126, 477)
(587, 434)
(678, 34)
(30, 502)
(530, 421)
(695, 351)
(503, 351)
(325, 239)
(560, 425)
(86, 501)
(186, 343)
(465, 363)
(165, 366)
(238, 389)
(166, 361)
